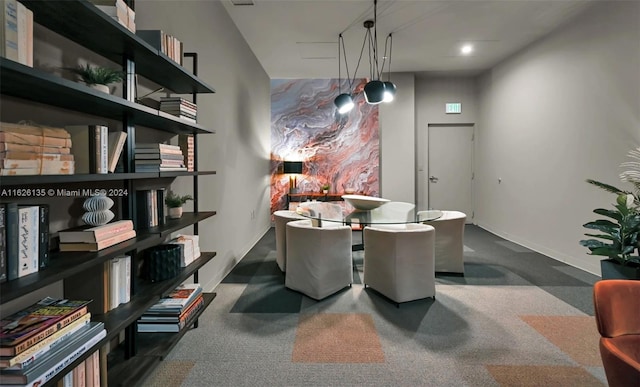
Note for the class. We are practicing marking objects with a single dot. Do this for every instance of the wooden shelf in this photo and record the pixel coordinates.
(113, 41)
(172, 225)
(34, 85)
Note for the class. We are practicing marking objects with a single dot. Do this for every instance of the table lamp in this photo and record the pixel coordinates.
(292, 168)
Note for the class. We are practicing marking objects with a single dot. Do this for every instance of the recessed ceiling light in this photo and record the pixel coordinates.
(466, 49)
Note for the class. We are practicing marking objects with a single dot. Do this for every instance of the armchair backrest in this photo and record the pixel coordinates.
(617, 307)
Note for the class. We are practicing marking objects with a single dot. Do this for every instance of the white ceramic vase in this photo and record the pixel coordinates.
(175, 212)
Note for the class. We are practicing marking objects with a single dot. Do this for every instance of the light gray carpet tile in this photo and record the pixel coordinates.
(467, 249)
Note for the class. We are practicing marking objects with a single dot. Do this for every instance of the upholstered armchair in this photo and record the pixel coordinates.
(398, 261)
(281, 218)
(449, 241)
(318, 259)
(617, 312)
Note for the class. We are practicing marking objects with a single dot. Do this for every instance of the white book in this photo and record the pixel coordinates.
(102, 149)
(9, 29)
(28, 244)
(116, 143)
(114, 284)
(124, 269)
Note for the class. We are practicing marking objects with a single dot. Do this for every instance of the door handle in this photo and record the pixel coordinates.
(433, 179)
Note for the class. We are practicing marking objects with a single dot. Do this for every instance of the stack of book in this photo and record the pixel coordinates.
(38, 342)
(174, 312)
(88, 238)
(119, 11)
(150, 211)
(159, 158)
(34, 150)
(24, 239)
(190, 248)
(187, 144)
(179, 107)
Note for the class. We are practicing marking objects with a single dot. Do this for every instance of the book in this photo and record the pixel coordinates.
(11, 227)
(158, 146)
(28, 239)
(38, 130)
(93, 234)
(3, 244)
(101, 136)
(38, 350)
(58, 359)
(177, 299)
(184, 320)
(114, 283)
(24, 328)
(9, 30)
(36, 156)
(158, 156)
(116, 144)
(11, 147)
(102, 244)
(43, 239)
(79, 377)
(92, 370)
(34, 139)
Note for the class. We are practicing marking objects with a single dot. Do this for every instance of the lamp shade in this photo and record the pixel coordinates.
(344, 103)
(374, 92)
(389, 91)
(292, 167)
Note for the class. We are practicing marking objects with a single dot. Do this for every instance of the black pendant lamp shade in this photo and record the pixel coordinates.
(389, 91)
(374, 92)
(292, 167)
(344, 103)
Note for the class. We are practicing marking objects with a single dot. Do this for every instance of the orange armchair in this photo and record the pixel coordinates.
(617, 312)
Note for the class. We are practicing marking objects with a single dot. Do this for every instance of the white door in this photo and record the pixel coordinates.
(450, 168)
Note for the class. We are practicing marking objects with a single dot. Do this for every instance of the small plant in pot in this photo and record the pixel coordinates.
(97, 77)
(174, 203)
(325, 188)
(619, 238)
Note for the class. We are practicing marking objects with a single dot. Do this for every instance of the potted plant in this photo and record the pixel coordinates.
(619, 238)
(98, 77)
(325, 188)
(174, 203)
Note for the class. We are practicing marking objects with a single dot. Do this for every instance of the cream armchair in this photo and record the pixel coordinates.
(281, 218)
(318, 258)
(398, 261)
(449, 239)
(394, 212)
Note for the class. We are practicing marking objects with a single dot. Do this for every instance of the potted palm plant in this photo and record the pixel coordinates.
(619, 236)
(174, 203)
(98, 78)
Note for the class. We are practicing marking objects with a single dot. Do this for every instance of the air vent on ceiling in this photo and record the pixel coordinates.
(242, 2)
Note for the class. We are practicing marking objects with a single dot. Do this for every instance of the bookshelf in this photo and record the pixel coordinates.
(134, 359)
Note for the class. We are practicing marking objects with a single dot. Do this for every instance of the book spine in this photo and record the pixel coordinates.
(39, 349)
(24, 345)
(35, 156)
(101, 136)
(32, 139)
(12, 226)
(9, 43)
(22, 33)
(28, 240)
(114, 283)
(43, 247)
(68, 359)
(11, 147)
(3, 243)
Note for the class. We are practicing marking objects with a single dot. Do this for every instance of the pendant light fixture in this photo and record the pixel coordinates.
(375, 91)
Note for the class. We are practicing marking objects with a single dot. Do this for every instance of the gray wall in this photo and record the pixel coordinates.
(239, 111)
(565, 109)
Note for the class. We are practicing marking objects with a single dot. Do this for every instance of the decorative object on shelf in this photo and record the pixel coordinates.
(623, 232)
(98, 78)
(375, 91)
(161, 262)
(292, 168)
(175, 203)
(98, 210)
(325, 188)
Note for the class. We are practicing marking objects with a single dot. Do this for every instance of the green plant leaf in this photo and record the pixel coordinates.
(592, 243)
(610, 213)
(607, 187)
(603, 225)
(607, 237)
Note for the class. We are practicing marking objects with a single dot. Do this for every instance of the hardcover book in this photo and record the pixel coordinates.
(23, 329)
(102, 244)
(3, 244)
(34, 130)
(28, 239)
(58, 359)
(93, 234)
(178, 299)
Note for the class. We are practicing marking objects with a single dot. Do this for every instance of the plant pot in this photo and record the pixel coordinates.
(325, 191)
(175, 212)
(613, 270)
(102, 88)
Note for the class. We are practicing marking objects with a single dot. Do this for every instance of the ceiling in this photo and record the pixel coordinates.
(299, 38)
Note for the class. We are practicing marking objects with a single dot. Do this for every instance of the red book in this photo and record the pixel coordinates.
(23, 329)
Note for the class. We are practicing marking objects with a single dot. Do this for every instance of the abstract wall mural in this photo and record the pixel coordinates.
(342, 151)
